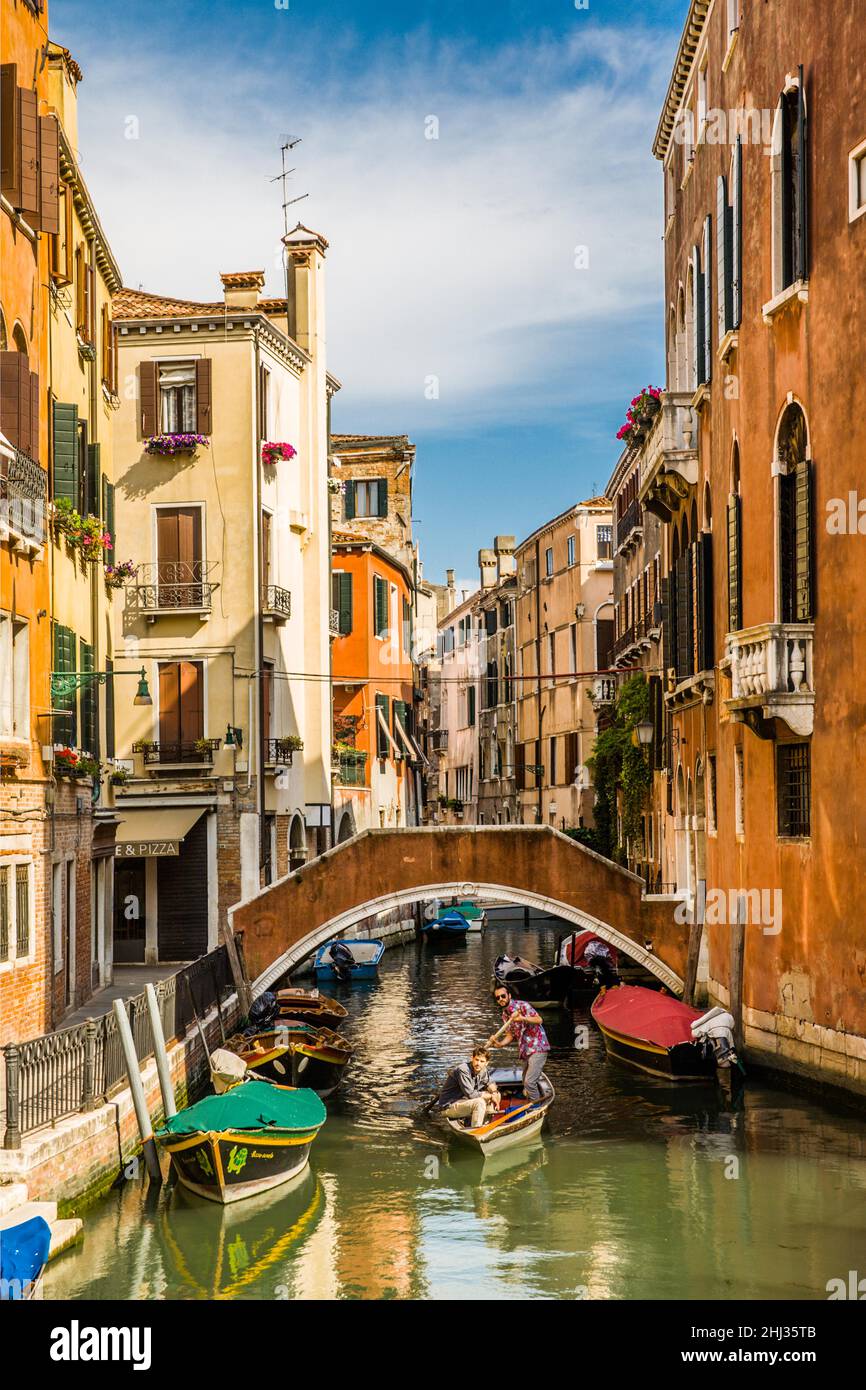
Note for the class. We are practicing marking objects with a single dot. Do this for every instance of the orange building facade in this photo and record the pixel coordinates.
(377, 762)
(28, 214)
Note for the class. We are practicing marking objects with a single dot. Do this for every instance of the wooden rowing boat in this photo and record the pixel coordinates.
(309, 1006)
(653, 1032)
(545, 989)
(517, 1120)
(296, 1054)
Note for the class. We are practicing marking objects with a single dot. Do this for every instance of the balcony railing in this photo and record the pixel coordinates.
(772, 675)
(172, 586)
(279, 752)
(276, 603)
(603, 691)
(669, 457)
(201, 752)
(23, 501)
(439, 740)
(629, 525)
(334, 622)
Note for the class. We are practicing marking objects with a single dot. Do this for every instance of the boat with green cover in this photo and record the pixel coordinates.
(248, 1140)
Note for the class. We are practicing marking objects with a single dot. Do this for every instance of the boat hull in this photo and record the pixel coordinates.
(299, 1056)
(645, 1043)
(505, 1137)
(229, 1166)
(547, 989)
(367, 957)
(317, 1011)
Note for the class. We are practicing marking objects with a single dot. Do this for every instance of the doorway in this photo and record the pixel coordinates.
(130, 895)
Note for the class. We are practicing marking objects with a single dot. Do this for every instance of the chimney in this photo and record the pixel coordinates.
(487, 566)
(503, 547)
(242, 288)
(305, 260)
(449, 578)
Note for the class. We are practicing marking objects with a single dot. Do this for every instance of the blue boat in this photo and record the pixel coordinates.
(348, 960)
(449, 925)
(23, 1256)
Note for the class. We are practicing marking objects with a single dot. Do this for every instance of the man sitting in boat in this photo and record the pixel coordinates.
(468, 1092)
(521, 1024)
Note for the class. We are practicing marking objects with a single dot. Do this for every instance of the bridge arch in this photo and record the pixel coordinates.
(530, 866)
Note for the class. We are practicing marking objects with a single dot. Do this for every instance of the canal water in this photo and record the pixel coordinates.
(637, 1189)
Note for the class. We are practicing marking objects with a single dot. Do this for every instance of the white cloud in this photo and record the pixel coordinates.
(451, 258)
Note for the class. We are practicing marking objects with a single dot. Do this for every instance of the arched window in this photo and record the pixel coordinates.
(795, 526)
(4, 341)
(682, 341)
(790, 188)
(735, 546)
(690, 376)
(19, 339)
(672, 351)
(708, 507)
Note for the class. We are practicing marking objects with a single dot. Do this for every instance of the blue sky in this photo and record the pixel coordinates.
(516, 258)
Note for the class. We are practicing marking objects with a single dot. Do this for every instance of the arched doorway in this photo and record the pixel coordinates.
(347, 828)
(297, 842)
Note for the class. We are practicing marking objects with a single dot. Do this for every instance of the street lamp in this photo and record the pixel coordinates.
(234, 737)
(65, 683)
(644, 732)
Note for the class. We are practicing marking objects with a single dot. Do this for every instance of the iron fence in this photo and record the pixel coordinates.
(77, 1069)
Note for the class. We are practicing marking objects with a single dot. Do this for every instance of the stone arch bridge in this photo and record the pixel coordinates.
(530, 866)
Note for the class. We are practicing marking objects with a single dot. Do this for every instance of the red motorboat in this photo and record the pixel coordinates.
(653, 1031)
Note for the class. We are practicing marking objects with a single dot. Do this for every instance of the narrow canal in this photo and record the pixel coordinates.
(637, 1189)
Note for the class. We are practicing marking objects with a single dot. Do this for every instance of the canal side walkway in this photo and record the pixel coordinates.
(129, 980)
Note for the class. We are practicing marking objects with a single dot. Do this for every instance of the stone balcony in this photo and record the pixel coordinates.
(772, 676)
(669, 456)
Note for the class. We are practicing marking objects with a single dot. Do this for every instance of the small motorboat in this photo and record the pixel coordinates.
(24, 1248)
(476, 916)
(546, 989)
(659, 1034)
(252, 1138)
(348, 960)
(588, 973)
(295, 1054)
(449, 925)
(516, 1120)
(309, 1006)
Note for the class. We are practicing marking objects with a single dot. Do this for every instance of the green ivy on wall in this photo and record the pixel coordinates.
(621, 771)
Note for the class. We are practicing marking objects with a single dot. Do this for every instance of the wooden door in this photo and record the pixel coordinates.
(181, 709)
(178, 548)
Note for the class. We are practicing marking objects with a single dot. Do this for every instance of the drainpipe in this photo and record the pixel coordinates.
(539, 776)
(259, 629)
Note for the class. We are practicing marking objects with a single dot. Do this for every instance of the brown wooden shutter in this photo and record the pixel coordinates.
(169, 702)
(10, 367)
(69, 234)
(106, 345)
(90, 304)
(29, 128)
(266, 548)
(735, 618)
(149, 414)
(267, 701)
(49, 175)
(191, 701)
(10, 141)
(34, 416)
(203, 395)
(25, 417)
(804, 570)
(79, 289)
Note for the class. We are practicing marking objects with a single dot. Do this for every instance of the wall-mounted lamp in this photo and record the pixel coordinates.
(580, 611)
(234, 737)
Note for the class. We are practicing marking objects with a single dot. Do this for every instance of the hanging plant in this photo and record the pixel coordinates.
(272, 452)
(640, 415)
(92, 541)
(167, 445)
(118, 575)
(336, 487)
(293, 742)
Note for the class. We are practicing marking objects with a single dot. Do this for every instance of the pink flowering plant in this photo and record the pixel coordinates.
(168, 445)
(275, 450)
(118, 575)
(643, 409)
(83, 533)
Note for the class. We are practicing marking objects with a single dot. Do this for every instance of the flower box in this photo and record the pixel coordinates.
(275, 450)
(118, 575)
(169, 445)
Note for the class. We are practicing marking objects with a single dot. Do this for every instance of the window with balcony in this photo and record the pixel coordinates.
(794, 790)
(790, 189)
(181, 710)
(795, 522)
(179, 568)
(604, 542)
(14, 677)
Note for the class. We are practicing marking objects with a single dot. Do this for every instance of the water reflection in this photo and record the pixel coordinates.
(637, 1189)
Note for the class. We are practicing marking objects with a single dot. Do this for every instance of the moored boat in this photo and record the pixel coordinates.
(546, 989)
(588, 973)
(252, 1138)
(348, 960)
(309, 1006)
(295, 1054)
(24, 1247)
(659, 1034)
(449, 925)
(516, 1120)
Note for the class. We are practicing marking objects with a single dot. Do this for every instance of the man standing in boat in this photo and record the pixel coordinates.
(521, 1024)
(468, 1092)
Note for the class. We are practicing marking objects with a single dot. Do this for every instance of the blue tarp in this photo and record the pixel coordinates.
(23, 1252)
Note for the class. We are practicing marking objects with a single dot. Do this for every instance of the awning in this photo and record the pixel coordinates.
(151, 833)
(387, 732)
(411, 746)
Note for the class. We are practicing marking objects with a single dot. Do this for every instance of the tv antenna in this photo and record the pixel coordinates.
(288, 144)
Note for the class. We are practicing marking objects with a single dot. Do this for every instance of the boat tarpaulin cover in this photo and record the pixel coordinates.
(254, 1105)
(576, 948)
(23, 1252)
(635, 1012)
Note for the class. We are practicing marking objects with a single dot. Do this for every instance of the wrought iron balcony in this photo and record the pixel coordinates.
(23, 502)
(334, 623)
(772, 676)
(276, 603)
(629, 527)
(172, 586)
(279, 752)
(669, 456)
(439, 740)
(200, 751)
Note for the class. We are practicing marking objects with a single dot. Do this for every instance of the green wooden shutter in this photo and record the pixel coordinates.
(724, 258)
(381, 606)
(382, 745)
(108, 515)
(804, 604)
(787, 188)
(92, 477)
(704, 602)
(737, 235)
(684, 616)
(802, 230)
(349, 500)
(735, 606)
(65, 727)
(707, 294)
(89, 721)
(344, 602)
(382, 497)
(65, 453)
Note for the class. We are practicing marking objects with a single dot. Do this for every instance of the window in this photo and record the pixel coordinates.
(733, 18)
(702, 305)
(573, 652)
(794, 790)
(551, 654)
(62, 243)
(380, 608)
(181, 709)
(470, 706)
(383, 713)
(109, 352)
(548, 561)
(796, 569)
(857, 183)
(177, 412)
(790, 188)
(554, 770)
(366, 497)
(15, 899)
(179, 568)
(604, 542)
(572, 548)
(341, 600)
(14, 678)
(407, 626)
(702, 103)
(739, 793)
(712, 813)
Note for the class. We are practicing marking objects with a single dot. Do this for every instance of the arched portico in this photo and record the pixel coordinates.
(531, 866)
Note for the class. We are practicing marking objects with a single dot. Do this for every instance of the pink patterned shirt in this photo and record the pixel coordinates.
(531, 1037)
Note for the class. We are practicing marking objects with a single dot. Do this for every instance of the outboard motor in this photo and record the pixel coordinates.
(715, 1029)
(599, 958)
(262, 1013)
(342, 961)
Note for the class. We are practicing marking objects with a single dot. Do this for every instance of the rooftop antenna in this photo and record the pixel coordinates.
(288, 143)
